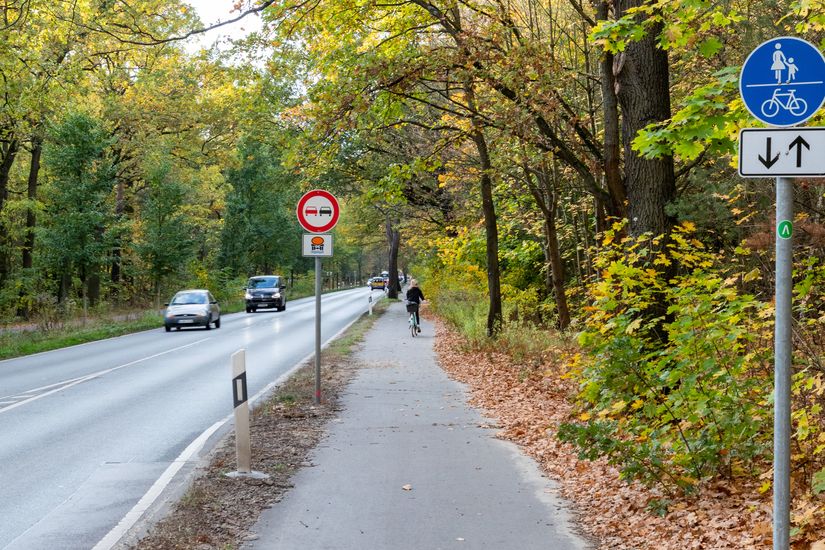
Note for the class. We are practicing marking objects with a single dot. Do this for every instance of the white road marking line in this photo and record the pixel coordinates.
(74, 381)
(133, 515)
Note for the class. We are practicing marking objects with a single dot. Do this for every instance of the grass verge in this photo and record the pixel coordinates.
(17, 343)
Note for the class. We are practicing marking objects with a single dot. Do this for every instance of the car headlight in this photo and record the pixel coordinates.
(248, 296)
(276, 295)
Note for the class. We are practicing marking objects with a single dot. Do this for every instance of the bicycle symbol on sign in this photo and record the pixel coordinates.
(784, 100)
(782, 82)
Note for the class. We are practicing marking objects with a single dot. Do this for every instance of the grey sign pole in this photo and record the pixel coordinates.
(317, 331)
(782, 365)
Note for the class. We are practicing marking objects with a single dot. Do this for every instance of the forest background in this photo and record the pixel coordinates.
(547, 168)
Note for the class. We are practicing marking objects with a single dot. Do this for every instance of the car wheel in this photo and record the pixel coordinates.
(168, 328)
(254, 310)
(282, 308)
(209, 323)
(249, 309)
(218, 323)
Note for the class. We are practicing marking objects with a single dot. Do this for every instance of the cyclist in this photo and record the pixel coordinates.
(414, 295)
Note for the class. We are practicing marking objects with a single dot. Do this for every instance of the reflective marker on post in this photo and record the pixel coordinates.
(240, 399)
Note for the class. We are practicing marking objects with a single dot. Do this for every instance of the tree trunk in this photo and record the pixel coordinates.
(120, 209)
(546, 196)
(8, 150)
(557, 272)
(642, 76)
(610, 111)
(31, 220)
(393, 240)
(494, 314)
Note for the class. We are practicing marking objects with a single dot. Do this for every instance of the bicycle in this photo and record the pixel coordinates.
(412, 309)
(796, 105)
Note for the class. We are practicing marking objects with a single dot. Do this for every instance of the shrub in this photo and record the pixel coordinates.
(673, 376)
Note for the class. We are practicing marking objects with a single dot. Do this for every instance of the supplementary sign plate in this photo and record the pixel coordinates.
(317, 245)
(786, 152)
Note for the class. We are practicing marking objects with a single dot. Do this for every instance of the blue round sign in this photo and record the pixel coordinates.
(783, 81)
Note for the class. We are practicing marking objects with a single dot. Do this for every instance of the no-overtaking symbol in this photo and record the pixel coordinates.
(318, 211)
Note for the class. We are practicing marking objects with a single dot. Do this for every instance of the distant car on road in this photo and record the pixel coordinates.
(378, 282)
(265, 291)
(192, 308)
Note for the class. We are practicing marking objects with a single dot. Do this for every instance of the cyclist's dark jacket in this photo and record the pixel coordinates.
(415, 295)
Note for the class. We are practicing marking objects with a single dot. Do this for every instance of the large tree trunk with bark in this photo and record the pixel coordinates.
(642, 78)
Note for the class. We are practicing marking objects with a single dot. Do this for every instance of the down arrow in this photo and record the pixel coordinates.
(768, 163)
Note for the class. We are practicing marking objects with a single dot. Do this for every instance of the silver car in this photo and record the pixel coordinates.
(192, 308)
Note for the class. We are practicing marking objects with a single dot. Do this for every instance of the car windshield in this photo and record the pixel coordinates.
(263, 282)
(188, 298)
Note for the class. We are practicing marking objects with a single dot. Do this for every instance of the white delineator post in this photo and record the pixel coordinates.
(241, 400)
(240, 397)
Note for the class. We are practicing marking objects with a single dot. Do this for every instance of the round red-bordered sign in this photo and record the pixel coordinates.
(318, 211)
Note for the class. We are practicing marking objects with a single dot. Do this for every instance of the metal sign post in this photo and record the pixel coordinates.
(782, 84)
(317, 331)
(318, 211)
(783, 349)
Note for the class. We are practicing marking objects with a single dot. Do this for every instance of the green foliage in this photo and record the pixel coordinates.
(818, 482)
(677, 397)
(82, 176)
(46, 338)
(260, 233)
(165, 243)
(707, 121)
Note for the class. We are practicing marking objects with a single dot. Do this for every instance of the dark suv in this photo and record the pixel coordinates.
(265, 291)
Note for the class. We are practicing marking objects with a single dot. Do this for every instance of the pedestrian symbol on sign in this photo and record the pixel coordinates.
(783, 81)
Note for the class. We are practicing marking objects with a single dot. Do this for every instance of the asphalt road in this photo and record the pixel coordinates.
(87, 431)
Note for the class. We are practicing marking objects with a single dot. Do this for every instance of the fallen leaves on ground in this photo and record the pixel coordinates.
(529, 402)
(219, 512)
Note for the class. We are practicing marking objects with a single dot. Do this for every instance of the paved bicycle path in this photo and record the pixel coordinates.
(407, 465)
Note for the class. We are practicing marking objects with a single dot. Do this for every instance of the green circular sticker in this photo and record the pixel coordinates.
(784, 229)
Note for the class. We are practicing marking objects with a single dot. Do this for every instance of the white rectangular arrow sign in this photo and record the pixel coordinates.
(786, 152)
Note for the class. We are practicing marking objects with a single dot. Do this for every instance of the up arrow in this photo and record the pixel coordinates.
(768, 162)
(798, 143)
